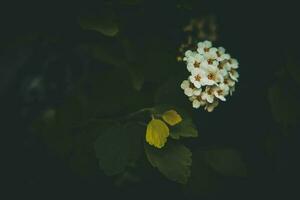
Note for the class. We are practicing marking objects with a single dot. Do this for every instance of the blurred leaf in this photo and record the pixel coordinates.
(171, 117)
(157, 133)
(125, 178)
(227, 162)
(83, 162)
(173, 161)
(294, 69)
(106, 51)
(131, 2)
(110, 93)
(104, 23)
(284, 104)
(137, 77)
(272, 144)
(118, 146)
(184, 129)
(203, 178)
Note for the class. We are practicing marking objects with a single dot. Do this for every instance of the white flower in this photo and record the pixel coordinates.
(234, 74)
(194, 62)
(213, 76)
(197, 102)
(185, 84)
(221, 55)
(211, 53)
(231, 90)
(228, 81)
(203, 47)
(221, 91)
(197, 91)
(233, 63)
(187, 87)
(210, 107)
(187, 54)
(208, 95)
(198, 77)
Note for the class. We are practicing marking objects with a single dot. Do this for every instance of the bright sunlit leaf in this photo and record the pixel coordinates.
(172, 117)
(157, 133)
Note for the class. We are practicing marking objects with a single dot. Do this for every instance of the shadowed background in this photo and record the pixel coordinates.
(48, 60)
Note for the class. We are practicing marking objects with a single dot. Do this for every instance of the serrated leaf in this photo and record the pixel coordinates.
(227, 162)
(157, 133)
(117, 147)
(173, 161)
(171, 117)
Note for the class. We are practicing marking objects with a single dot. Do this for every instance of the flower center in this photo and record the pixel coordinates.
(210, 61)
(206, 49)
(197, 77)
(197, 64)
(211, 76)
(221, 65)
(192, 86)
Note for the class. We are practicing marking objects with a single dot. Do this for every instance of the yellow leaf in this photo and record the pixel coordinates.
(157, 133)
(172, 117)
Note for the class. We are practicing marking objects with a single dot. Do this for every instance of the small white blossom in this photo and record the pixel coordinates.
(197, 102)
(221, 91)
(234, 75)
(208, 95)
(198, 77)
(210, 107)
(213, 76)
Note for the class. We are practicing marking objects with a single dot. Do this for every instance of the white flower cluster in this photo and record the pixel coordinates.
(213, 75)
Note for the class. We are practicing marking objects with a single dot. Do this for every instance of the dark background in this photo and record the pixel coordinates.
(261, 35)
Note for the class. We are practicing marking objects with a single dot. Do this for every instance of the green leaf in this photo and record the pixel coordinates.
(106, 51)
(137, 77)
(294, 70)
(157, 133)
(184, 129)
(203, 179)
(227, 162)
(118, 146)
(104, 23)
(284, 105)
(173, 161)
(171, 117)
(131, 2)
